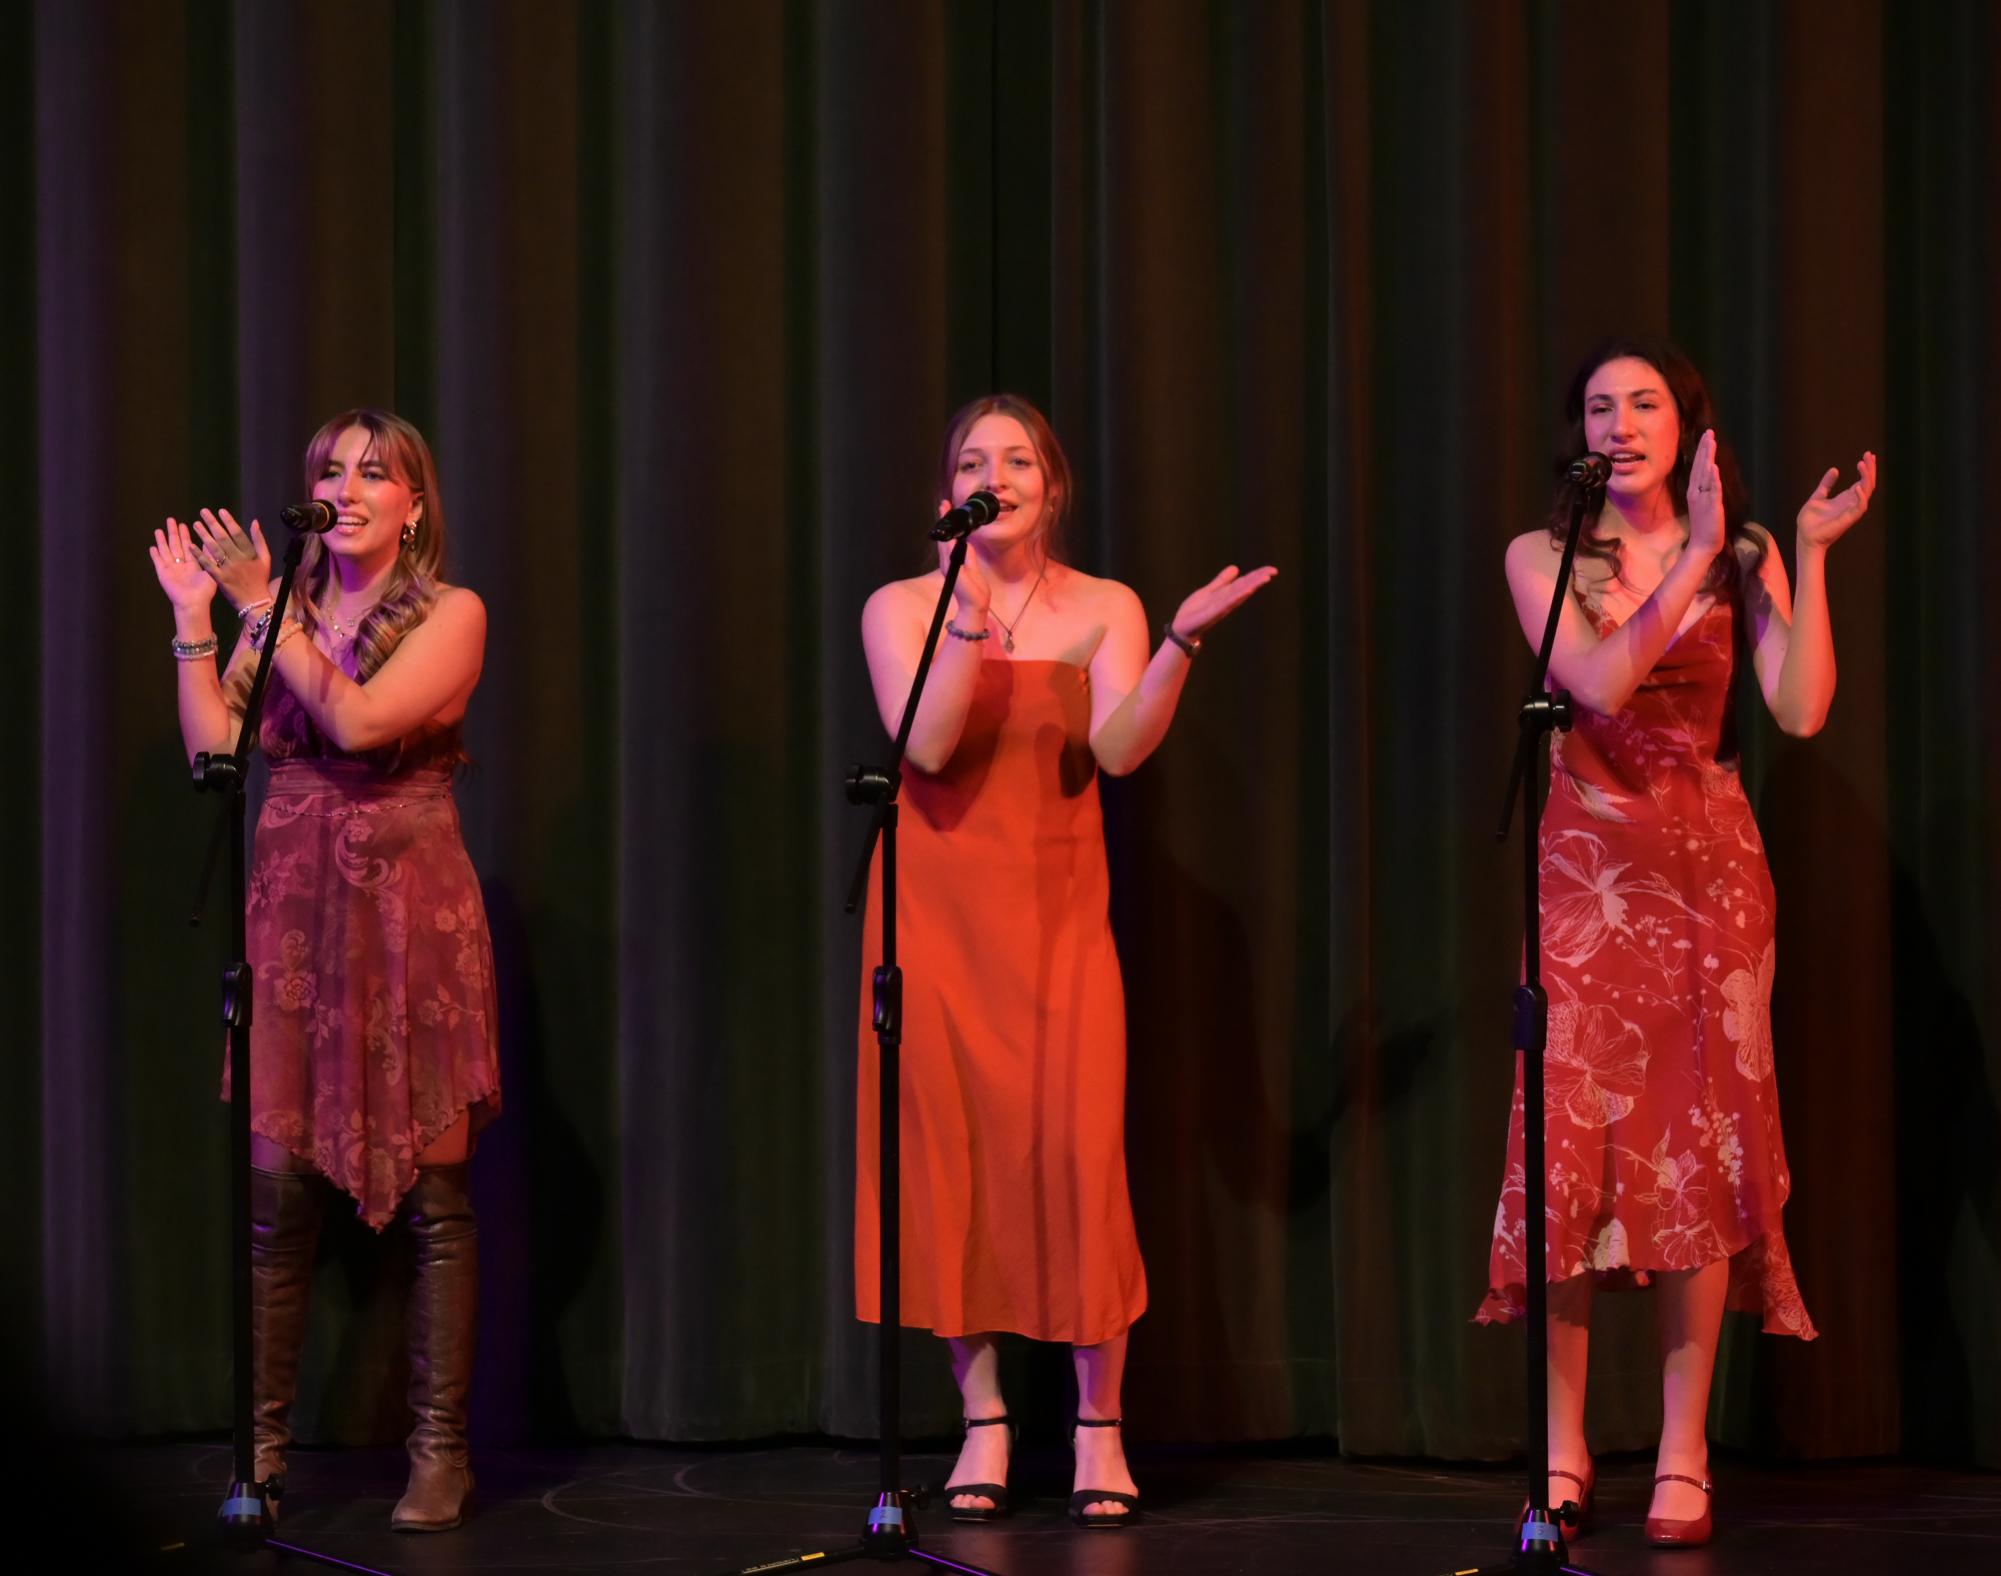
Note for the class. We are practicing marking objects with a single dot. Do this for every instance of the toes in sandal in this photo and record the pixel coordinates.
(997, 1492)
(1096, 1496)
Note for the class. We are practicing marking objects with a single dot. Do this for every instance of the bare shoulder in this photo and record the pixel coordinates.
(457, 613)
(459, 603)
(901, 598)
(1097, 595)
(1533, 553)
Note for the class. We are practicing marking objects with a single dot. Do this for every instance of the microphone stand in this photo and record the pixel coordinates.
(1541, 1551)
(890, 1534)
(245, 1517)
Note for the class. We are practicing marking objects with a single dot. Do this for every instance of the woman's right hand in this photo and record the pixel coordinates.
(970, 592)
(189, 587)
(1705, 500)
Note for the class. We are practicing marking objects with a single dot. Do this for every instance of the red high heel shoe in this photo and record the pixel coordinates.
(1665, 1533)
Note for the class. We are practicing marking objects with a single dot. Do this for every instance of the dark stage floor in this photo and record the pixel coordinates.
(635, 1508)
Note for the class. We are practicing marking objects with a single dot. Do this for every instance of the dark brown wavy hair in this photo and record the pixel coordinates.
(1697, 414)
(1057, 489)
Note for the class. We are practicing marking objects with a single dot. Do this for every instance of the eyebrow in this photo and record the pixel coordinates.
(1012, 448)
(1645, 388)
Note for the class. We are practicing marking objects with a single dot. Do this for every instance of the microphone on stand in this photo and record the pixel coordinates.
(975, 512)
(1589, 471)
(318, 516)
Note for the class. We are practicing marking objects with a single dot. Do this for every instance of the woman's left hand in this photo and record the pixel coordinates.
(1219, 598)
(1822, 518)
(240, 565)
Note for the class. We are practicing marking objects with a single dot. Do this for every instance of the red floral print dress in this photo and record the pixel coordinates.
(373, 1015)
(1664, 1150)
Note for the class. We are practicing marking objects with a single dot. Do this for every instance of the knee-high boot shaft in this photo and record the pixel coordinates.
(285, 1210)
(444, 1240)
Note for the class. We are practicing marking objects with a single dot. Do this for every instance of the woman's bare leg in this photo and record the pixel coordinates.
(983, 1458)
(1691, 1321)
(1569, 1348)
(1101, 1452)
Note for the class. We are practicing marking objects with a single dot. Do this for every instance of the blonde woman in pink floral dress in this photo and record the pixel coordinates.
(1666, 1165)
(372, 1045)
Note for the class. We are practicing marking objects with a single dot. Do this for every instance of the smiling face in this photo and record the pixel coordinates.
(997, 454)
(373, 502)
(1631, 418)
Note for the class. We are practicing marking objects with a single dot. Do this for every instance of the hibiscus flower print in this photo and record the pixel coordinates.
(1747, 1020)
(1584, 899)
(1595, 1066)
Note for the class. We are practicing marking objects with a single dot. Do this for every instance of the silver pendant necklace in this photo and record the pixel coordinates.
(1007, 629)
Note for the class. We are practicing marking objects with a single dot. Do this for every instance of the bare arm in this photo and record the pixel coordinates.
(1133, 698)
(1793, 641)
(1600, 674)
(429, 677)
(208, 721)
(894, 624)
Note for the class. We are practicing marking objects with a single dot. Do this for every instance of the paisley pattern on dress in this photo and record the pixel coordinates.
(373, 1022)
(1662, 1123)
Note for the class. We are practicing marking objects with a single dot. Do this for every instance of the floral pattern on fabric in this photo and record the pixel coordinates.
(1662, 1122)
(373, 1012)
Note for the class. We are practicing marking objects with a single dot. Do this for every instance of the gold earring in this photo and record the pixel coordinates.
(409, 535)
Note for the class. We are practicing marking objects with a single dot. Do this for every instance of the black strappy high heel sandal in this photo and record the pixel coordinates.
(1094, 1496)
(997, 1492)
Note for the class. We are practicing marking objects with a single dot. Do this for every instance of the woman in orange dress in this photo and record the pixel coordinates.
(372, 1042)
(1666, 1165)
(1015, 1215)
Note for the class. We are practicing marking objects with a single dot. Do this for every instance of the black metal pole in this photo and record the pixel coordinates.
(1540, 1548)
(890, 1534)
(245, 1516)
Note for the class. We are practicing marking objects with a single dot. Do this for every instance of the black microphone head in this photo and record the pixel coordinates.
(976, 511)
(319, 515)
(1589, 471)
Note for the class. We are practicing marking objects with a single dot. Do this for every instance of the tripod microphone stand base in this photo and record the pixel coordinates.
(890, 1537)
(1542, 1552)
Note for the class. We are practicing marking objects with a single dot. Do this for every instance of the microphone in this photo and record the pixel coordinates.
(317, 516)
(975, 512)
(1589, 471)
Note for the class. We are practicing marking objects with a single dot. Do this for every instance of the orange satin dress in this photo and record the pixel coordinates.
(1015, 1214)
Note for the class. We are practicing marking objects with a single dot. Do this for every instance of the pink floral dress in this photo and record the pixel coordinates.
(1664, 1150)
(373, 1015)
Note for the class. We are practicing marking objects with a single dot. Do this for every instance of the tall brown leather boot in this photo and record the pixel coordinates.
(285, 1211)
(445, 1249)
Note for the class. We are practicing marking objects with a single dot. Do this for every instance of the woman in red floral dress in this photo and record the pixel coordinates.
(1666, 1165)
(372, 1041)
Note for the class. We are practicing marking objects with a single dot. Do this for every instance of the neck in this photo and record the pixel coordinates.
(1017, 564)
(360, 580)
(1650, 516)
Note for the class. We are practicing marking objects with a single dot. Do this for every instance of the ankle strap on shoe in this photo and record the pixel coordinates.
(1559, 1472)
(1675, 1477)
(984, 1422)
(1100, 1422)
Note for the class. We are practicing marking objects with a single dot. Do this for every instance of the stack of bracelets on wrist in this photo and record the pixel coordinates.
(255, 628)
(957, 633)
(194, 650)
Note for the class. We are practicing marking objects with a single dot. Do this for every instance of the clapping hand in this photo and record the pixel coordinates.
(1825, 516)
(1705, 499)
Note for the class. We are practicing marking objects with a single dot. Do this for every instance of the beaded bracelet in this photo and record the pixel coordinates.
(286, 631)
(194, 650)
(1188, 646)
(957, 633)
